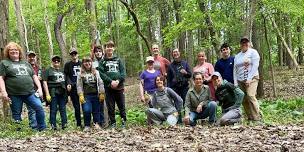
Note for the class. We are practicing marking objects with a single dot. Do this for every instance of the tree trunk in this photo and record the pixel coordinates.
(57, 28)
(37, 46)
(90, 9)
(285, 44)
(279, 42)
(288, 38)
(164, 21)
(274, 91)
(181, 40)
(190, 47)
(4, 38)
(300, 41)
(48, 30)
(21, 26)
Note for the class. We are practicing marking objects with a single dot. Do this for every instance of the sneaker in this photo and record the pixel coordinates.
(86, 129)
(53, 127)
(112, 126)
(63, 127)
(97, 127)
(123, 124)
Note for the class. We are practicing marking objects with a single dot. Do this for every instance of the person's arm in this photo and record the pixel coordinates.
(235, 72)
(153, 102)
(3, 89)
(210, 69)
(208, 94)
(46, 89)
(103, 76)
(100, 83)
(122, 71)
(239, 95)
(38, 85)
(187, 104)
(79, 85)
(170, 76)
(178, 101)
(255, 65)
(141, 89)
(67, 73)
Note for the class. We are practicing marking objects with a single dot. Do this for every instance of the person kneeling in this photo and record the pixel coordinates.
(166, 104)
(198, 104)
(230, 99)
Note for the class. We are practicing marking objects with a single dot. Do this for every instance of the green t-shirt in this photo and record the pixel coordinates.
(18, 77)
(89, 83)
(55, 77)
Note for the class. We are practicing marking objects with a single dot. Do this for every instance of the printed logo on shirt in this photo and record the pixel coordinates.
(59, 76)
(21, 69)
(76, 70)
(112, 66)
(89, 78)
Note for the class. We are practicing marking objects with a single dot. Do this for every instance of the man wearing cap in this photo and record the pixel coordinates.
(71, 71)
(230, 99)
(225, 65)
(112, 72)
(55, 90)
(160, 63)
(246, 76)
(198, 103)
(147, 85)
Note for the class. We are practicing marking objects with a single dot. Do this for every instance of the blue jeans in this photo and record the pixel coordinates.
(32, 117)
(92, 106)
(58, 101)
(209, 111)
(34, 102)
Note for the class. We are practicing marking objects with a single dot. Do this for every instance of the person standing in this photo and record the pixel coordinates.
(55, 90)
(160, 63)
(246, 76)
(90, 90)
(17, 80)
(112, 72)
(98, 55)
(71, 71)
(225, 65)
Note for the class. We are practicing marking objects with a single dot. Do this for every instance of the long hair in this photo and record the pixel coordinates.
(83, 69)
(8, 46)
(162, 78)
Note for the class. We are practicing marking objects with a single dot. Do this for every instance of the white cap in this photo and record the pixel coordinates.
(149, 58)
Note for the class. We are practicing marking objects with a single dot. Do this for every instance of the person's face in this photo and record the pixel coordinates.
(159, 83)
(244, 45)
(217, 81)
(176, 54)
(98, 53)
(56, 62)
(155, 49)
(87, 65)
(31, 58)
(198, 80)
(74, 55)
(201, 57)
(150, 64)
(225, 52)
(13, 52)
(110, 49)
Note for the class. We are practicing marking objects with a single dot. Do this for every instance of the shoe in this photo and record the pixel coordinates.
(123, 124)
(53, 127)
(97, 127)
(63, 127)
(112, 126)
(86, 129)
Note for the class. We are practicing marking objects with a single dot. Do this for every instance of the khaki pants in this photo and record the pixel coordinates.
(250, 103)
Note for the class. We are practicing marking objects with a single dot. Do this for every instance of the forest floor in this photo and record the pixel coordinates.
(278, 135)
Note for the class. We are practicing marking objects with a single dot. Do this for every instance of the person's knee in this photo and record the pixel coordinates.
(212, 104)
(223, 121)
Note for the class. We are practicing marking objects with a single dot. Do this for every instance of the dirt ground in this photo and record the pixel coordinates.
(234, 138)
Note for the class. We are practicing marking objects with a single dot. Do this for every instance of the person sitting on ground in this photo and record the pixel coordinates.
(230, 99)
(198, 104)
(166, 104)
(147, 85)
(90, 90)
(54, 86)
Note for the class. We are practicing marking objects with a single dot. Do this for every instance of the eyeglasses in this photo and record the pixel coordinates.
(224, 49)
(56, 60)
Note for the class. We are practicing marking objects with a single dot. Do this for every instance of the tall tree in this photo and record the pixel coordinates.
(48, 30)
(21, 25)
(90, 10)
(300, 40)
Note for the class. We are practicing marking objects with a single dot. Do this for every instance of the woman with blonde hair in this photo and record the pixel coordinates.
(90, 89)
(17, 79)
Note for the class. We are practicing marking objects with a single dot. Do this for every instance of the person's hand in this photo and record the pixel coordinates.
(101, 97)
(81, 99)
(142, 99)
(199, 108)
(186, 120)
(40, 93)
(175, 114)
(69, 87)
(183, 71)
(48, 98)
(247, 83)
(39, 78)
(114, 84)
(6, 99)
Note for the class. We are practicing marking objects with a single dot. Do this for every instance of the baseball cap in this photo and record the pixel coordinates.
(73, 50)
(56, 57)
(149, 58)
(31, 52)
(244, 39)
(216, 74)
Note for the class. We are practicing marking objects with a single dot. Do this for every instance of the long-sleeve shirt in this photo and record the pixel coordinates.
(246, 65)
(175, 78)
(87, 83)
(193, 98)
(225, 68)
(167, 101)
(229, 96)
(72, 70)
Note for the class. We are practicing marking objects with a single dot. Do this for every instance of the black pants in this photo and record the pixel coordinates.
(75, 100)
(118, 97)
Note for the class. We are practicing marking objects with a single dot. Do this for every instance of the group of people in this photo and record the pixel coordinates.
(173, 97)
(173, 91)
(88, 82)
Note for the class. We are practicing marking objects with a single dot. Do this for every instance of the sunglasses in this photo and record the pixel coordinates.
(56, 60)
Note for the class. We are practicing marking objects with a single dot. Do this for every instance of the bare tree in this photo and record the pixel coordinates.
(48, 29)
(21, 25)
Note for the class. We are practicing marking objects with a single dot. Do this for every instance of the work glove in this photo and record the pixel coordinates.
(81, 98)
(101, 97)
(48, 98)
